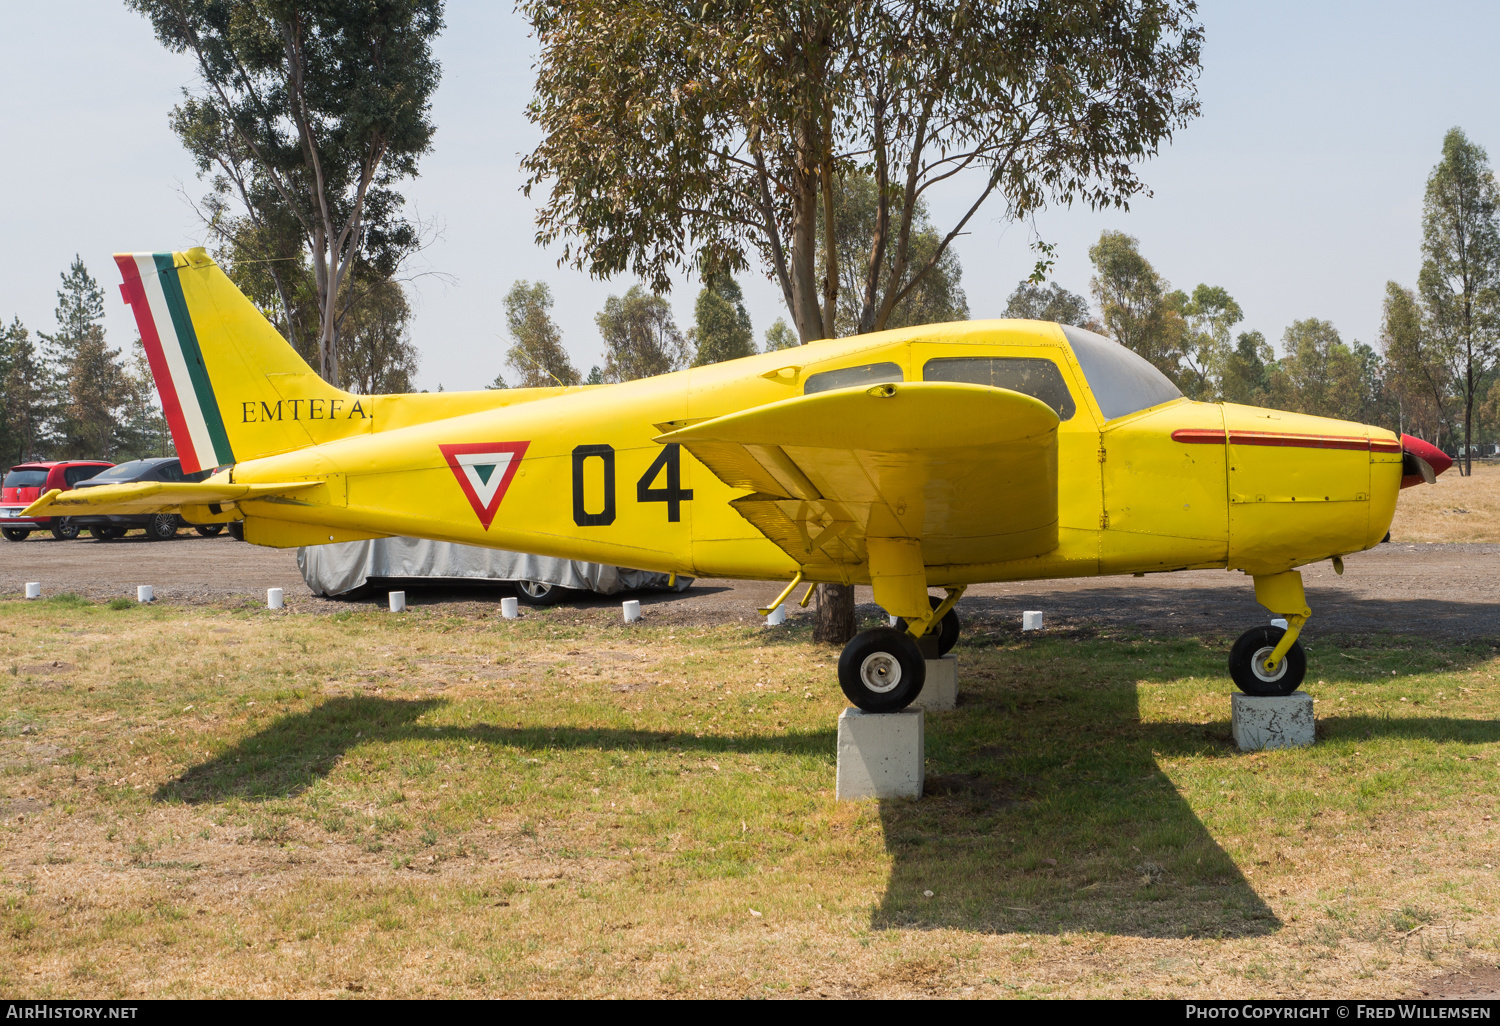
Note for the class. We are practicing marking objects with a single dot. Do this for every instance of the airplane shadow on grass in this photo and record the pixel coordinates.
(297, 750)
(1046, 809)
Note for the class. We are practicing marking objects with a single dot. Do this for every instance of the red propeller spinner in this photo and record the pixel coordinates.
(1421, 461)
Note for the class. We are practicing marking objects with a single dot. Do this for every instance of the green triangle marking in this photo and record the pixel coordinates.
(484, 470)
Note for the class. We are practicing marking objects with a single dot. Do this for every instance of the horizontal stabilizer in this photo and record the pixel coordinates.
(153, 497)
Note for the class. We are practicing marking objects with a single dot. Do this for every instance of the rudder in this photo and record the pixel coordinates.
(231, 387)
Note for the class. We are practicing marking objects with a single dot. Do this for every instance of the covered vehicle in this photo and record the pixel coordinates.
(27, 482)
(357, 567)
(158, 526)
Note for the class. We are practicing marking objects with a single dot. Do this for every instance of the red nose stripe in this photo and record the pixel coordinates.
(1207, 436)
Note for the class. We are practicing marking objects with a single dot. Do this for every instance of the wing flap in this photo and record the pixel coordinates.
(154, 497)
(968, 469)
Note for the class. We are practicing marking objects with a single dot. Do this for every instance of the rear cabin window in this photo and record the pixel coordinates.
(848, 377)
(24, 479)
(1028, 375)
(131, 471)
(1123, 381)
(75, 474)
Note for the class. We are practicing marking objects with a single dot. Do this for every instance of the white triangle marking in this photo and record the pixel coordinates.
(485, 490)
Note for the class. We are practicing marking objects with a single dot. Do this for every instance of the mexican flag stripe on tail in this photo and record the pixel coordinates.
(155, 296)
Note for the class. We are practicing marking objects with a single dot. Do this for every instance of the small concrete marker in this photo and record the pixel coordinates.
(1031, 620)
(33, 589)
(890, 621)
(1273, 721)
(777, 616)
(275, 598)
(881, 755)
(631, 610)
(398, 601)
(145, 593)
(1279, 622)
(940, 692)
(510, 608)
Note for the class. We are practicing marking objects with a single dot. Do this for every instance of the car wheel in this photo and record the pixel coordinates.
(64, 529)
(163, 526)
(209, 530)
(105, 533)
(538, 593)
(15, 534)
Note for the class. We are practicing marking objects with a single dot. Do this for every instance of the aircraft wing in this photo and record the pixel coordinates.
(969, 470)
(153, 497)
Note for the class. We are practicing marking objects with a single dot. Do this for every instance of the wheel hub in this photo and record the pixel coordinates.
(880, 672)
(1258, 665)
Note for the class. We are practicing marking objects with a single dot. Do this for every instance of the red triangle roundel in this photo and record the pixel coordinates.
(484, 471)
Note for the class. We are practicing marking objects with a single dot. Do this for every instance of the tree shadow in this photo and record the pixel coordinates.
(297, 750)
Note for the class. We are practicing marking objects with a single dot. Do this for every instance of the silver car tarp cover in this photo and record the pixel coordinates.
(342, 567)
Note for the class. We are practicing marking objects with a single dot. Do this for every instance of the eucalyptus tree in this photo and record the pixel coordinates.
(536, 353)
(702, 135)
(308, 113)
(721, 324)
(1417, 376)
(708, 136)
(1136, 304)
(1460, 277)
(1037, 302)
(641, 338)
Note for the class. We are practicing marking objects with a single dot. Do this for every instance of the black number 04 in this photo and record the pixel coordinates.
(668, 464)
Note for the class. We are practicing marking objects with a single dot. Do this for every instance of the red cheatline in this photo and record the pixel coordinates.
(1210, 436)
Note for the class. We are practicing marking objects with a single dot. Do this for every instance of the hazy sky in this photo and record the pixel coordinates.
(1299, 189)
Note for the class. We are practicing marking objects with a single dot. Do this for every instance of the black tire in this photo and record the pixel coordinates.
(209, 530)
(882, 670)
(64, 529)
(537, 593)
(1254, 645)
(237, 530)
(104, 533)
(15, 534)
(948, 629)
(163, 527)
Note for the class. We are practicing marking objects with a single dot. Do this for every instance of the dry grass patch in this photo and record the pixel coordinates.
(234, 802)
(1455, 509)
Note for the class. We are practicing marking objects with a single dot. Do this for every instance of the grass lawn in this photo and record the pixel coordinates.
(1455, 509)
(215, 801)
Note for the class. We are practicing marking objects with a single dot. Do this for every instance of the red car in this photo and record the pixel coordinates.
(28, 482)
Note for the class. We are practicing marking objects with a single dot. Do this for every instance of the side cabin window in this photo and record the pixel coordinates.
(1028, 375)
(848, 377)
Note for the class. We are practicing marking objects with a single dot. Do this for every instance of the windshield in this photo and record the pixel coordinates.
(24, 479)
(124, 472)
(1123, 381)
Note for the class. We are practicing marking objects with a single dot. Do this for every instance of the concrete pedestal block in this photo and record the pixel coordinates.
(1276, 722)
(881, 755)
(940, 692)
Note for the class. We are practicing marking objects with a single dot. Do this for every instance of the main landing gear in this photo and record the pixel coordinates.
(1269, 660)
(883, 669)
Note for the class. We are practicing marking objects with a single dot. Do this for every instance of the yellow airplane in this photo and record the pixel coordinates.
(931, 457)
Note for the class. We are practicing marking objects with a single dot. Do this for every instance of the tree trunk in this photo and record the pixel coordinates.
(835, 621)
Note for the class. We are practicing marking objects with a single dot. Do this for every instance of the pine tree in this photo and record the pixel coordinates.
(90, 388)
(721, 328)
(25, 397)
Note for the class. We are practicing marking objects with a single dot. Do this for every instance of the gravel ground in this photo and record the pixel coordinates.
(1447, 590)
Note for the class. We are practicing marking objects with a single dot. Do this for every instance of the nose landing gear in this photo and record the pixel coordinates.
(1270, 660)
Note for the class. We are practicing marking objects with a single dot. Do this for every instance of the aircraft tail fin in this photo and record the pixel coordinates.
(231, 387)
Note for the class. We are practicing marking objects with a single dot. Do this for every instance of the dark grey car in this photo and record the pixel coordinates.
(158, 526)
